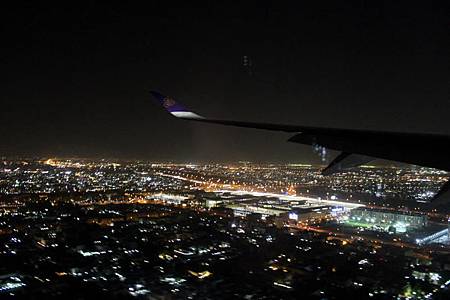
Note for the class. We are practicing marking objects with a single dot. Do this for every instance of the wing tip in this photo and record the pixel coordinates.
(173, 107)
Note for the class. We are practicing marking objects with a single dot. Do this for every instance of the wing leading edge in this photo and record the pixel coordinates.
(357, 146)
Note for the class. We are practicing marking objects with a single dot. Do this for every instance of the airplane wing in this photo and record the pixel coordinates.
(358, 146)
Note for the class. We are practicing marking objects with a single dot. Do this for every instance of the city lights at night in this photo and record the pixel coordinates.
(225, 150)
(140, 229)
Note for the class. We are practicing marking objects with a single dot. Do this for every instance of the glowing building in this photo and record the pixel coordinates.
(387, 220)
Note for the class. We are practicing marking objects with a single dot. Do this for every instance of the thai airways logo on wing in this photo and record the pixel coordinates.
(168, 102)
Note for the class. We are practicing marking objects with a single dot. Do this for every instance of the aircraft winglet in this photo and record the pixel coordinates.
(175, 108)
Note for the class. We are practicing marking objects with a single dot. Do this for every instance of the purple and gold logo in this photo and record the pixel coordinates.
(168, 102)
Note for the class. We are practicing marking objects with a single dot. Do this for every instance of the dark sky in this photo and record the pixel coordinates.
(75, 79)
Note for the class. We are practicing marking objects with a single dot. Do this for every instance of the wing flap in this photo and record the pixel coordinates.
(442, 196)
(346, 161)
(418, 149)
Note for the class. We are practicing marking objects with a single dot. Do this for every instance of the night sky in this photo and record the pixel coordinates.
(75, 80)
